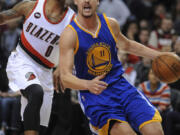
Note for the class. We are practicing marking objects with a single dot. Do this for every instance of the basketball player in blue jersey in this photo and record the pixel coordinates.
(112, 105)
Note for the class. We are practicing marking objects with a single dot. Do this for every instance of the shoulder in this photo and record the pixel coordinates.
(69, 31)
(69, 36)
(113, 23)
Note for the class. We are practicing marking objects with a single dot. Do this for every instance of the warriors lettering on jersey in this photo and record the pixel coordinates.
(42, 34)
(99, 59)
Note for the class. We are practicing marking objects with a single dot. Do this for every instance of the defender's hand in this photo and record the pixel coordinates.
(57, 81)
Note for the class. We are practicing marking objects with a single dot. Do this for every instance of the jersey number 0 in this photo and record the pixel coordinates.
(49, 51)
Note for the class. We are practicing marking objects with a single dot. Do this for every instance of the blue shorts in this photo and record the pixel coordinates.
(120, 101)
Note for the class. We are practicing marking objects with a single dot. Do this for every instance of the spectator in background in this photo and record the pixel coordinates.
(167, 3)
(143, 36)
(158, 93)
(130, 74)
(10, 107)
(10, 113)
(3, 88)
(176, 16)
(9, 40)
(176, 49)
(144, 24)
(176, 11)
(116, 9)
(159, 14)
(173, 117)
(130, 30)
(142, 69)
(142, 9)
(162, 36)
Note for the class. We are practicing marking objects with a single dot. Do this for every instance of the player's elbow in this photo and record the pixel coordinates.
(126, 46)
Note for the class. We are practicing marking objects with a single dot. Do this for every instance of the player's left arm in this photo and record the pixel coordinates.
(131, 46)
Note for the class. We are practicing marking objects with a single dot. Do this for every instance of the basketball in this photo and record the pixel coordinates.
(167, 68)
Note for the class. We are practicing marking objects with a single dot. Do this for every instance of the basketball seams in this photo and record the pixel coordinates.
(177, 61)
(166, 68)
(171, 69)
(161, 77)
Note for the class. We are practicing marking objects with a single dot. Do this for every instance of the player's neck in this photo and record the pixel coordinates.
(55, 6)
(90, 23)
(54, 10)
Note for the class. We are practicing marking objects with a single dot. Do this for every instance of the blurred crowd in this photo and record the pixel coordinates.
(154, 23)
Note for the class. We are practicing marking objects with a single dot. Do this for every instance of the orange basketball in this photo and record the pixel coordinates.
(167, 67)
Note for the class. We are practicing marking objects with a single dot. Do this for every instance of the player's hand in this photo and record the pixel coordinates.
(169, 53)
(96, 86)
(56, 76)
(57, 81)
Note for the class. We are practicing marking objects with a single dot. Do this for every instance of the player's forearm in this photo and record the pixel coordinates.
(19, 10)
(141, 50)
(8, 16)
(71, 81)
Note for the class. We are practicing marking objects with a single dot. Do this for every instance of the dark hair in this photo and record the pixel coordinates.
(145, 28)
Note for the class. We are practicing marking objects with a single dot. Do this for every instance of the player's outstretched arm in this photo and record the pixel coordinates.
(19, 10)
(67, 46)
(131, 46)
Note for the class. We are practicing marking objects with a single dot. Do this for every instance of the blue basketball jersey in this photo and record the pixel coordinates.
(97, 54)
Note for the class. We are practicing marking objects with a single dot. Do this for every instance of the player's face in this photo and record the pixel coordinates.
(87, 8)
(144, 36)
(166, 25)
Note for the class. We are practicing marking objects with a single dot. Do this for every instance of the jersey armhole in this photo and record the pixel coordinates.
(77, 40)
(110, 29)
(31, 11)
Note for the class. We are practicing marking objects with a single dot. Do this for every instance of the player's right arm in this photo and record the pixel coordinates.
(67, 46)
(21, 9)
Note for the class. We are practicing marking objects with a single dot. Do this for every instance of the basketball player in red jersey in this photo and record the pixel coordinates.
(29, 67)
